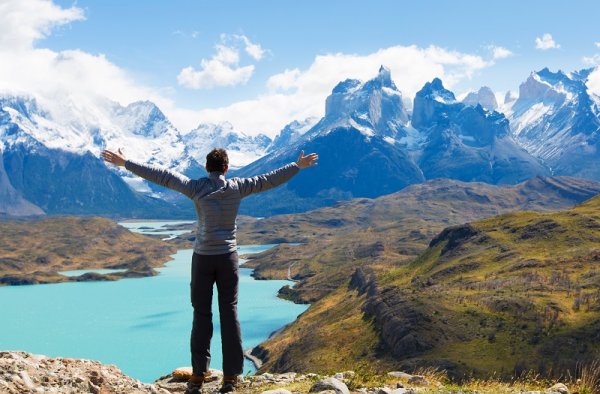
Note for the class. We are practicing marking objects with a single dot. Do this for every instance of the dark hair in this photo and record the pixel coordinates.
(217, 160)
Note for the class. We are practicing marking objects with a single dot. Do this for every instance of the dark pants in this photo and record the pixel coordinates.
(206, 270)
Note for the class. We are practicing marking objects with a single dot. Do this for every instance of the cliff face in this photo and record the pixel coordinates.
(399, 320)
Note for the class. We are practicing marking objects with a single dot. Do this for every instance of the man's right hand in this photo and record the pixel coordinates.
(307, 161)
(117, 159)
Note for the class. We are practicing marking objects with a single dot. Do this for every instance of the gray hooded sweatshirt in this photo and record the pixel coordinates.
(217, 200)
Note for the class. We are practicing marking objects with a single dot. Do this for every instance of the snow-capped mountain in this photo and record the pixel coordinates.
(63, 132)
(484, 96)
(358, 145)
(468, 143)
(368, 146)
(374, 108)
(291, 133)
(557, 119)
(242, 149)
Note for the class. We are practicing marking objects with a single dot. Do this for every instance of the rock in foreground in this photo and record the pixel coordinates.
(22, 372)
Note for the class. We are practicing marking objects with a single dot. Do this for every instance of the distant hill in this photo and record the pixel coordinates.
(34, 251)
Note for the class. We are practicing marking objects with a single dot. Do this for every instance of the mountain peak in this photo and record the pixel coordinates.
(436, 90)
(437, 84)
(375, 105)
(382, 80)
(385, 75)
(485, 96)
(347, 86)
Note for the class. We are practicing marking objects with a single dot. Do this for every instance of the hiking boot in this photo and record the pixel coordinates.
(229, 384)
(194, 385)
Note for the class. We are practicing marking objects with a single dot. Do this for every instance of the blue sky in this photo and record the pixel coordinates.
(151, 42)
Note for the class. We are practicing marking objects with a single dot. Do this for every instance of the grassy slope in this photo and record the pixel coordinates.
(34, 250)
(499, 300)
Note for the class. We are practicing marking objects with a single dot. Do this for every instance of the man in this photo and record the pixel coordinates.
(215, 258)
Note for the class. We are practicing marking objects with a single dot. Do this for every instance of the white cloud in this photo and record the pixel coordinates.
(223, 68)
(499, 52)
(546, 42)
(194, 34)
(593, 60)
(299, 94)
(593, 81)
(23, 22)
(283, 81)
(254, 50)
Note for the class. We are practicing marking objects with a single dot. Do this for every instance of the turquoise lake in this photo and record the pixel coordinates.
(142, 325)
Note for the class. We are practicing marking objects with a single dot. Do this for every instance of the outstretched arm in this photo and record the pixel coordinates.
(161, 176)
(275, 178)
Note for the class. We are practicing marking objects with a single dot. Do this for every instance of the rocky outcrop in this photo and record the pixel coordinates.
(454, 237)
(397, 318)
(22, 372)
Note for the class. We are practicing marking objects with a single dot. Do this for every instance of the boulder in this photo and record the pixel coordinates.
(418, 380)
(277, 391)
(401, 375)
(558, 388)
(330, 384)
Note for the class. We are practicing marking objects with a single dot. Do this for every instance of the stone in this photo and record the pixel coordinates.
(277, 391)
(558, 388)
(384, 390)
(330, 384)
(182, 373)
(418, 380)
(403, 390)
(401, 375)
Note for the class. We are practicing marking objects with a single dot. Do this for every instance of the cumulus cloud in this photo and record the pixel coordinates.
(254, 50)
(593, 60)
(299, 94)
(499, 52)
(23, 22)
(593, 81)
(546, 42)
(223, 69)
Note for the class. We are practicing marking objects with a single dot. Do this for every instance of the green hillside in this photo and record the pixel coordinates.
(515, 292)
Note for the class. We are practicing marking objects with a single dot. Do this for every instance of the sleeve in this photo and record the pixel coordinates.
(162, 176)
(267, 181)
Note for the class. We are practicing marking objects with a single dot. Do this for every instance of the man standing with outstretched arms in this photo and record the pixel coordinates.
(215, 259)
